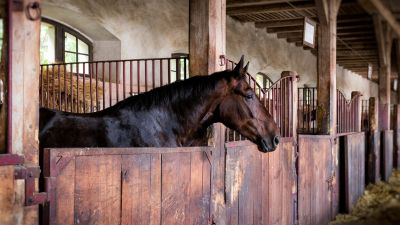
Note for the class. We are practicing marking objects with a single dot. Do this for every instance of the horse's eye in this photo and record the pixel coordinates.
(249, 96)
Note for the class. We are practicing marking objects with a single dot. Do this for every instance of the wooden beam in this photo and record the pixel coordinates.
(285, 29)
(268, 8)
(379, 7)
(398, 69)
(280, 23)
(326, 67)
(290, 35)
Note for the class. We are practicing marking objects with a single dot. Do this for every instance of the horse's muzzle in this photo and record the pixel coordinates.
(269, 146)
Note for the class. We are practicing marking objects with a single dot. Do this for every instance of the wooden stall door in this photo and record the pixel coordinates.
(354, 168)
(128, 186)
(317, 188)
(386, 154)
(260, 187)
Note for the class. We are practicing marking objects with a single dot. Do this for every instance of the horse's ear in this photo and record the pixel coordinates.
(244, 70)
(239, 67)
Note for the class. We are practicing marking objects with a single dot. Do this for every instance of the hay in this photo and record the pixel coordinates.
(56, 83)
(380, 204)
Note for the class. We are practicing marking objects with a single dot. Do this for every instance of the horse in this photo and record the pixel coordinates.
(174, 115)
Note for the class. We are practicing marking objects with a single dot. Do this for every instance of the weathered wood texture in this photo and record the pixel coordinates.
(260, 188)
(317, 188)
(4, 78)
(326, 83)
(373, 155)
(206, 36)
(354, 168)
(396, 136)
(386, 154)
(129, 186)
(24, 62)
(7, 196)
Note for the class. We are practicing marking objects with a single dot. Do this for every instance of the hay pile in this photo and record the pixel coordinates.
(62, 84)
(380, 205)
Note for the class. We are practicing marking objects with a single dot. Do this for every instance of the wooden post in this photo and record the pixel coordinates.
(396, 136)
(373, 149)
(398, 69)
(326, 84)
(25, 97)
(384, 39)
(357, 95)
(207, 24)
(207, 36)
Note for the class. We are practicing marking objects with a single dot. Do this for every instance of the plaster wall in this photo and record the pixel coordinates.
(151, 28)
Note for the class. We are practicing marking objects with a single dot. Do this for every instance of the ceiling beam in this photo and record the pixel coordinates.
(377, 6)
(268, 8)
(290, 35)
(280, 23)
(285, 29)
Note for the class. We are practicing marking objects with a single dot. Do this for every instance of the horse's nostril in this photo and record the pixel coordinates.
(276, 140)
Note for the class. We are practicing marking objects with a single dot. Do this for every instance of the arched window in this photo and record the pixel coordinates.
(263, 80)
(59, 43)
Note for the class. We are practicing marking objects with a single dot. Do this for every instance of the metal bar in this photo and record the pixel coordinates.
(59, 87)
(72, 90)
(145, 75)
(53, 89)
(84, 92)
(130, 78)
(65, 88)
(153, 74)
(117, 80)
(169, 71)
(161, 72)
(90, 86)
(77, 87)
(109, 84)
(138, 77)
(104, 85)
(123, 80)
(97, 87)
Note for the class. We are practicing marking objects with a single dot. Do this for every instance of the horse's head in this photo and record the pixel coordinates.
(242, 111)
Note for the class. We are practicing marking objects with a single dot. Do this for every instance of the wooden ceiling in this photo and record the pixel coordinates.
(356, 41)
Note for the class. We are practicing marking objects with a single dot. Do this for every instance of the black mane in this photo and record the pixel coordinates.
(178, 91)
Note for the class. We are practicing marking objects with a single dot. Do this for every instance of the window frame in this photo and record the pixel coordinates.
(60, 51)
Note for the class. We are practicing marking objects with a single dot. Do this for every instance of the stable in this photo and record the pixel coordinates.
(326, 72)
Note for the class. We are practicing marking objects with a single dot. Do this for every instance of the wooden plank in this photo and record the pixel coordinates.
(141, 189)
(98, 190)
(200, 192)
(65, 195)
(314, 194)
(7, 195)
(387, 154)
(268, 8)
(354, 150)
(175, 181)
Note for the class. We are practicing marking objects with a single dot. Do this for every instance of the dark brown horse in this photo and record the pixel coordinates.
(169, 116)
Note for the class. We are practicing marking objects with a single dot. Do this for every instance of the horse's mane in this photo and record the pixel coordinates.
(177, 92)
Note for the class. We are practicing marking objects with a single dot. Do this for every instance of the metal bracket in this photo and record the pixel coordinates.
(29, 174)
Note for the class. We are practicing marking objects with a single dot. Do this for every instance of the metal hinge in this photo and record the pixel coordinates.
(29, 174)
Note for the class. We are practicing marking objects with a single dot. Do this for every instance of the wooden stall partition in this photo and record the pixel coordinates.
(386, 154)
(317, 185)
(373, 152)
(353, 160)
(260, 187)
(396, 136)
(128, 186)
